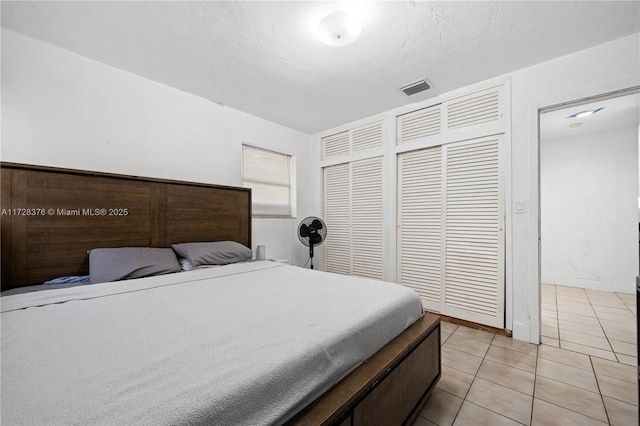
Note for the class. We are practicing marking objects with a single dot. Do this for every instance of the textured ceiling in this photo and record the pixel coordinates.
(264, 59)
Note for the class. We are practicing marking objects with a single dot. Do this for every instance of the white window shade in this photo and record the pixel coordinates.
(269, 175)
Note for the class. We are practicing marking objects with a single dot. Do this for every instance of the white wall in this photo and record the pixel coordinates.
(601, 69)
(64, 110)
(588, 205)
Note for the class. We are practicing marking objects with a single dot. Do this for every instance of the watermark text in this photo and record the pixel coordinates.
(66, 212)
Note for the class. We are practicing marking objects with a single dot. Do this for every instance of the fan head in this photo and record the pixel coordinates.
(312, 231)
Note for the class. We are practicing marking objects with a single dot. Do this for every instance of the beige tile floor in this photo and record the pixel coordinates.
(582, 374)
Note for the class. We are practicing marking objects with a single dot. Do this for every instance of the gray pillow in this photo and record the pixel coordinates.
(113, 264)
(213, 253)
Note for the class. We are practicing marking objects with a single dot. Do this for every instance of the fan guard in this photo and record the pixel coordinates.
(312, 231)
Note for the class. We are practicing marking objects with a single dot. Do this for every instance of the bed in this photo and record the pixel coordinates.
(244, 343)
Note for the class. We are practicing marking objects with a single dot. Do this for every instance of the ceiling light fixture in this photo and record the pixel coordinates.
(582, 114)
(339, 29)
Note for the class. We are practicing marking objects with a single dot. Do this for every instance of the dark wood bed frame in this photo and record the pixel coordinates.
(51, 217)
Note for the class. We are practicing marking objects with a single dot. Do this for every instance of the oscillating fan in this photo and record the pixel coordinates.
(312, 231)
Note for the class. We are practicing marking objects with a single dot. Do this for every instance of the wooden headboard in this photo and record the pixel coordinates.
(51, 217)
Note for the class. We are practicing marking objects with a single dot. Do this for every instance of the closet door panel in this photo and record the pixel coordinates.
(337, 216)
(420, 229)
(367, 217)
(474, 243)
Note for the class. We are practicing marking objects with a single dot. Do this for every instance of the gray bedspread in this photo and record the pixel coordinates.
(243, 344)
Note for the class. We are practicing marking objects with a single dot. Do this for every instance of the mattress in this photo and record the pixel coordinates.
(249, 343)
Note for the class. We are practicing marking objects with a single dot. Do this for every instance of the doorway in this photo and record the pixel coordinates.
(589, 211)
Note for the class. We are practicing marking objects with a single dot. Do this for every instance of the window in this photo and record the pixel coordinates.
(271, 177)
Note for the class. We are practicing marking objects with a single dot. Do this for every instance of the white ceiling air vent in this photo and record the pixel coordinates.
(417, 87)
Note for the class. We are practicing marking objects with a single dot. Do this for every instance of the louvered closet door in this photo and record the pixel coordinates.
(337, 216)
(418, 124)
(420, 224)
(366, 137)
(450, 229)
(366, 229)
(474, 241)
(335, 145)
(477, 108)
